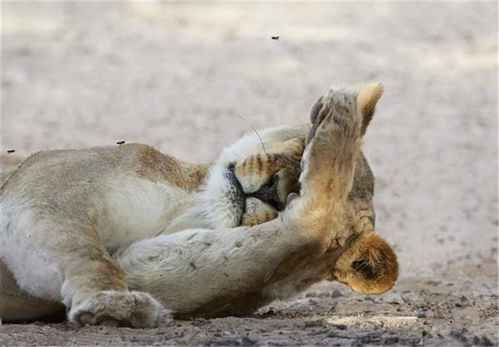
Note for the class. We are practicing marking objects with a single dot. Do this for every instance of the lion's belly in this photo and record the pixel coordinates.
(134, 208)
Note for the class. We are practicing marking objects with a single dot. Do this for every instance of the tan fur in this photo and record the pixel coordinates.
(325, 233)
(367, 99)
(156, 166)
(196, 239)
(66, 207)
(375, 267)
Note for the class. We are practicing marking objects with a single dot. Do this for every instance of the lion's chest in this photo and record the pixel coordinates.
(133, 208)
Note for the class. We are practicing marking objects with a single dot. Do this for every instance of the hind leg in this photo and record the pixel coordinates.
(96, 288)
(69, 264)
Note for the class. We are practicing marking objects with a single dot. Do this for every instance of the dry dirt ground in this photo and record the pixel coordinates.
(179, 77)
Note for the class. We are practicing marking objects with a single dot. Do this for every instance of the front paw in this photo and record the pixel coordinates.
(120, 308)
(332, 143)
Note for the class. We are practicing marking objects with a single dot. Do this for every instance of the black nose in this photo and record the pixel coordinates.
(268, 193)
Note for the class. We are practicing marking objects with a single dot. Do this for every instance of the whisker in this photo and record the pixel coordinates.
(254, 130)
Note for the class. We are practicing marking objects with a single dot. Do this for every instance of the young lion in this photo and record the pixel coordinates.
(220, 250)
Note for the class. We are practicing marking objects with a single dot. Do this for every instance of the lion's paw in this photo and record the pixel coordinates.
(334, 115)
(331, 145)
(117, 308)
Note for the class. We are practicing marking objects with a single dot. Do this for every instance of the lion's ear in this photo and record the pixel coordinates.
(369, 265)
(366, 101)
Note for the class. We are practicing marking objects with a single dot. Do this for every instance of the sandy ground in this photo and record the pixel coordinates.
(180, 76)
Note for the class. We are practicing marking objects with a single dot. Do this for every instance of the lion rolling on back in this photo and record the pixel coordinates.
(115, 233)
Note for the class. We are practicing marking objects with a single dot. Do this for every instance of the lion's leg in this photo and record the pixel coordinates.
(215, 272)
(66, 262)
(334, 143)
(98, 293)
(96, 290)
(328, 169)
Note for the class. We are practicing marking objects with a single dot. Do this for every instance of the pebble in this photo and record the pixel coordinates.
(459, 334)
(421, 314)
(336, 294)
(484, 341)
(391, 340)
(246, 341)
(340, 326)
(463, 302)
(314, 323)
(393, 298)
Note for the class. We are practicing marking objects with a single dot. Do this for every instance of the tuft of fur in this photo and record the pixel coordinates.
(368, 266)
(367, 99)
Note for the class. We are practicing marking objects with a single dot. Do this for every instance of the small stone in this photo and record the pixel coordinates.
(336, 294)
(340, 326)
(270, 312)
(433, 282)
(313, 323)
(425, 333)
(463, 302)
(246, 341)
(421, 314)
(459, 334)
(484, 341)
(102, 329)
(391, 340)
(393, 298)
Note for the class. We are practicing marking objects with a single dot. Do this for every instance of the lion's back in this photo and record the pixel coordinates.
(46, 171)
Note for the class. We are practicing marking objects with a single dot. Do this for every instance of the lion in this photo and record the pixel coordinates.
(129, 236)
